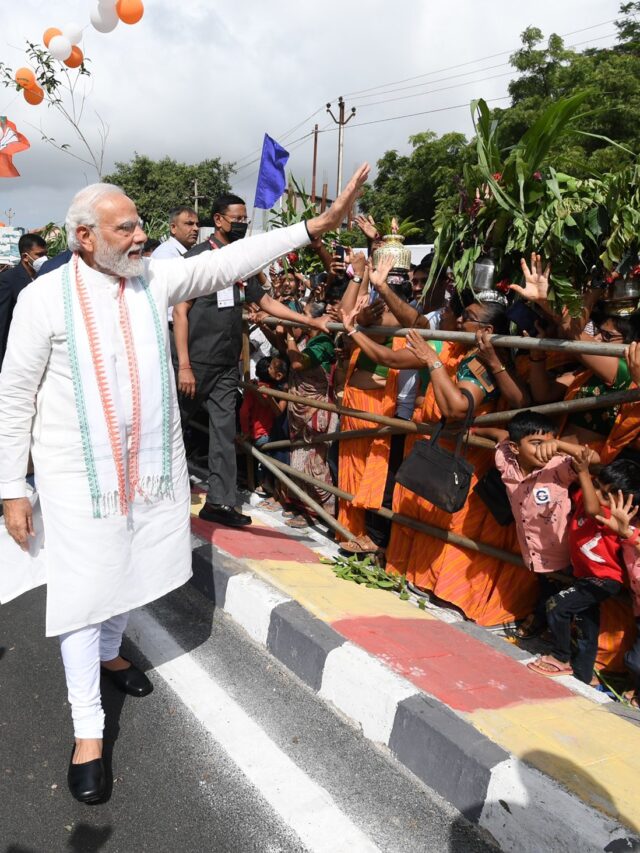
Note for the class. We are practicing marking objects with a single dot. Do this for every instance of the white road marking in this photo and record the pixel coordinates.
(304, 805)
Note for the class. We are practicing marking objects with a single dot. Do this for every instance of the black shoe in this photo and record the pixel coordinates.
(87, 782)
(130, 680)
(223, 514)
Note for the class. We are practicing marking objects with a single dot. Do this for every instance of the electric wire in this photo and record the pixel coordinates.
(464, 64)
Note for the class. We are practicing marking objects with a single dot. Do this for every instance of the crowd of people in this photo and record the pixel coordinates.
(568, 528)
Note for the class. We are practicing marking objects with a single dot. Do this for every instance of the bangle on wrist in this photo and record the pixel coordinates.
(352, 332)
(499, 370)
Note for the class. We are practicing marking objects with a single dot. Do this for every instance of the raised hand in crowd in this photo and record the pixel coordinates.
(358, 262)
(536, 281)
(378, 275)
(486, 351)
(371, 315)
(421, 349)
(367, 225)
(622, 514)
(348, 317)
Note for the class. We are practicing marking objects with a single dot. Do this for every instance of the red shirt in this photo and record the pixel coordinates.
(595, 550)
(256, 415)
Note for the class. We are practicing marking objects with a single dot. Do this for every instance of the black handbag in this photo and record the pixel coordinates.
(493, 492)
(436, 474)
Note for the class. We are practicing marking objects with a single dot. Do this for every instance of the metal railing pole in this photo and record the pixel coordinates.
(271, 465)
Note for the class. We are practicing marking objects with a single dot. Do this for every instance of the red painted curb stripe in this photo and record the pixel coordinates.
(457, 669)
(253, 542)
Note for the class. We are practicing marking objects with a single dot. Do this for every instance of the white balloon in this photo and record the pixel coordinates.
(60, 47)
(104, 19)
(73, 32)
(107, 4)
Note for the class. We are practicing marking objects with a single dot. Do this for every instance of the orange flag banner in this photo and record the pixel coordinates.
(11, 142)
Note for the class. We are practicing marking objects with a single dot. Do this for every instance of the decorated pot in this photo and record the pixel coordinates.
(393, 245)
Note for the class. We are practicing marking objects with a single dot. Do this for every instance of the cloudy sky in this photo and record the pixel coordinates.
(201, 78)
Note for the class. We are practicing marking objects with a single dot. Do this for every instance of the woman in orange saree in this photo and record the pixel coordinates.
(487, 590)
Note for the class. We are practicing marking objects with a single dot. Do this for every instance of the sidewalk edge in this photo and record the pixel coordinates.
(521, 807)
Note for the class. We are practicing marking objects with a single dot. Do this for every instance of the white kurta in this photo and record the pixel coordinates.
(97, 568)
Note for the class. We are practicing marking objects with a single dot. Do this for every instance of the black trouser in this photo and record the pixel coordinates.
(378, 528)
(632, 659)
(217, 388)
(546, 588)
(581, 600)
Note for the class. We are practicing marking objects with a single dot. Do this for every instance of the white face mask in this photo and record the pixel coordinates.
(37, 263)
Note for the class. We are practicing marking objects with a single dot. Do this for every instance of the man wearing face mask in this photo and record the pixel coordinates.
(208, 343)
(33, 254)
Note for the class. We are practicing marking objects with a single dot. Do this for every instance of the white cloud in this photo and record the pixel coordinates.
(198, 79)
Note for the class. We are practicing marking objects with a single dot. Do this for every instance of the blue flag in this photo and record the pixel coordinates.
(272, 181)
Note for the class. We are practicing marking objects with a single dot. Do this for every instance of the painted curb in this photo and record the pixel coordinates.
(525, 810)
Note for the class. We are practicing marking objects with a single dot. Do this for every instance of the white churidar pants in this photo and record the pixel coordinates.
(82, 652)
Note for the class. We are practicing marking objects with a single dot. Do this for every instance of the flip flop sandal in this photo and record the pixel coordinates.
(297, 523)
(360, 545)
(269, 505)
(555, 668)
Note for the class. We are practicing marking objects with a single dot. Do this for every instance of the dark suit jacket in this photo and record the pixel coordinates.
(11, 283)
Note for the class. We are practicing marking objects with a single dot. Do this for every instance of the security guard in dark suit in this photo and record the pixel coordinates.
(33, 253)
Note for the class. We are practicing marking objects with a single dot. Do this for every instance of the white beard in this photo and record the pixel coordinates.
(117, 263)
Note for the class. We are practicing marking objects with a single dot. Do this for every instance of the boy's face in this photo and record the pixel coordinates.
(525, 450)
(276, 369)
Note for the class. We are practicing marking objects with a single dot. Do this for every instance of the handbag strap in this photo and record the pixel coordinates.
(468, 418)
(465, 426)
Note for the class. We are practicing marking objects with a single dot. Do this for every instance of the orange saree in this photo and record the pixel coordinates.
(363, 462)
(487, 590)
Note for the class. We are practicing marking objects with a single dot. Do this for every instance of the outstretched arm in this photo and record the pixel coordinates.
(211, 271)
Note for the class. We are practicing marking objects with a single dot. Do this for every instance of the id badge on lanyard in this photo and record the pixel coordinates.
(226, 296)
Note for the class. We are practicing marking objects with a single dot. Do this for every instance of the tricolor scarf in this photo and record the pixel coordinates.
(121, 463)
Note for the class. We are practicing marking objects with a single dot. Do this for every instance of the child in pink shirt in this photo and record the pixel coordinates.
(537, 470)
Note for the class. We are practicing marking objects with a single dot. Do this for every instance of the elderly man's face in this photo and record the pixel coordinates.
(116, 240)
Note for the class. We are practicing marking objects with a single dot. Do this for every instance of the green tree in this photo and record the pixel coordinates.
(411, 186)
(158, 185)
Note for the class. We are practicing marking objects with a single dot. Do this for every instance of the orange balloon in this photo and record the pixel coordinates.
(34, 96)
(76, 59)
(25, 78)
(130, 11)
(49, 34)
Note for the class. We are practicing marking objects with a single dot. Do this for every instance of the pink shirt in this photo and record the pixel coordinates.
(541, 508)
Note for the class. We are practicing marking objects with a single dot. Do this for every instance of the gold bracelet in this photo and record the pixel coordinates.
(500, 369)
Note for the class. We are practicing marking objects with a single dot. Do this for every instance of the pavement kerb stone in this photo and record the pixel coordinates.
(521, 807)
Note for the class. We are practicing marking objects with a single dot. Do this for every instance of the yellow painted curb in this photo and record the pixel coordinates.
(585, 747)
(318, 590)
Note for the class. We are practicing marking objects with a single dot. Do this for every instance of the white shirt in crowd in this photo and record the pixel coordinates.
(171, 248)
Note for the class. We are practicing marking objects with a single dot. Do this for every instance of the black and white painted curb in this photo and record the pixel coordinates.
(522, 808)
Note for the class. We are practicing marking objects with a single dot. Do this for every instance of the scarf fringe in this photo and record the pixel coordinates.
(154, 487)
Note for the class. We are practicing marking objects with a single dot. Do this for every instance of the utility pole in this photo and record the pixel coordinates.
(10, 214)
(196, 197)
(341, 122)
(315, 164)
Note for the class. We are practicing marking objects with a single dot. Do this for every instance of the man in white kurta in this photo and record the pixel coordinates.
(99, 568)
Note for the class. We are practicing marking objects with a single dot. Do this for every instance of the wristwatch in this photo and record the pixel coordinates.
(357, 279)
(436, 364)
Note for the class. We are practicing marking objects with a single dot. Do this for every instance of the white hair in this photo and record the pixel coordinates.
(82, 210)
